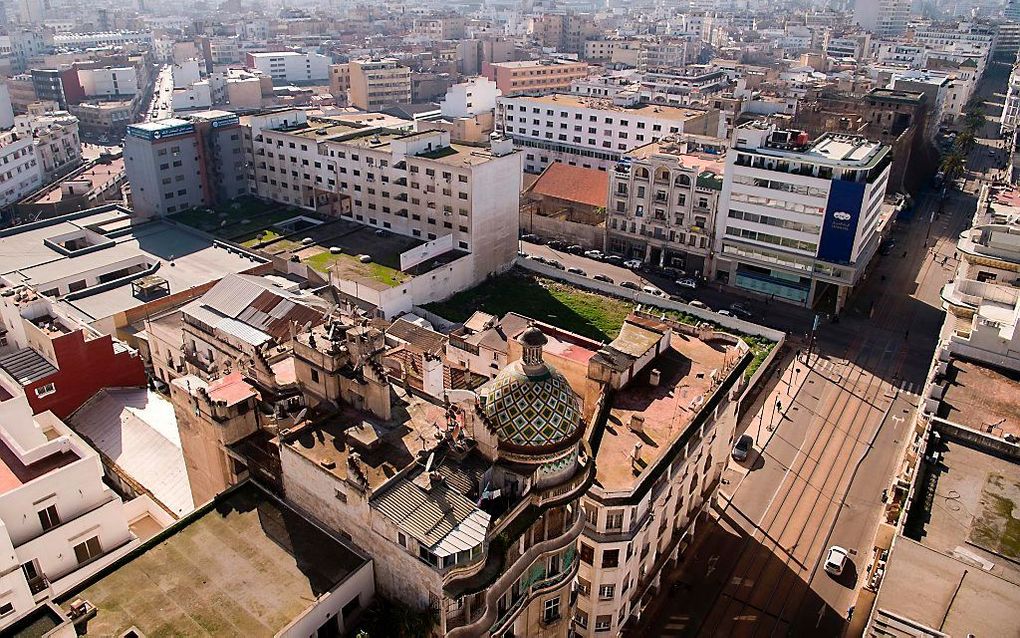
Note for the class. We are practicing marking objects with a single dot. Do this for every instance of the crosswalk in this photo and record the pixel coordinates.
(836, 369)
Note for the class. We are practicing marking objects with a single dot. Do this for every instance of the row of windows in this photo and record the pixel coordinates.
(767, 238)
(786, 187)
(784, 204)
(787, 224)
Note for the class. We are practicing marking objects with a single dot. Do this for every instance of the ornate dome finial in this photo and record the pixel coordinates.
(532, 341)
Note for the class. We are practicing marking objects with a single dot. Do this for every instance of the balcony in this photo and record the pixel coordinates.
(489, 618)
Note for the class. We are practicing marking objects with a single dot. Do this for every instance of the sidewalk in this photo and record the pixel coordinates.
(769, 410)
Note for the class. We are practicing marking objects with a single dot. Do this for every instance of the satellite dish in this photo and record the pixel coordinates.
(428, 464)
(300, 416)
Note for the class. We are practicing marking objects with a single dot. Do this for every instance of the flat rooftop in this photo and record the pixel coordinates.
(96, 175)
(395, 443)
(14, 473)
(956, 566)
(25, 258)
(644, 110)
(247, 566)
(667, 408)
(982, 398)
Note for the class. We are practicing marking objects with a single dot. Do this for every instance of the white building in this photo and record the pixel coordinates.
(802, 218)
(94, 40)
(59, 522)
(20, 170)
(1011, 109)
(6, 108)
(290, 66)
(458, 204)
(884, 18)
(467, 99)
(109, 82)
(589, 132)
(186, 73)
(57, 145)
(197, 95)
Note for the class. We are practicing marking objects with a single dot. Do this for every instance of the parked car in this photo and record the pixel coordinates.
(555, 264)
(671, 272)
(556, 244)
(651, 290)
(539, 258)
(601, 277)
(687, 283)
(633, 264)
(698, 304)
(593, 254)
(575, 249)
(741, 311)
(743, 447)
(630, 284)
(577, 271)
(529, 237)
(724, 312)
(612, 259)
(835, 562)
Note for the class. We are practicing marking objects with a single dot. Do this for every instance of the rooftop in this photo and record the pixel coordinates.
(14, 472)
(982, 398)
(384, 448)
(247, 565)
(26, 258)
(586, 186)
(137, 430)
(643, 110)
(97, 175)
(667, 409)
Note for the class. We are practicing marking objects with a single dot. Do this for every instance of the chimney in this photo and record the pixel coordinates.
(637, 423)
(654, 377)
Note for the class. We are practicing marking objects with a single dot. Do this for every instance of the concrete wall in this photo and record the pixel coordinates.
(636, 296)
(360, 585)
(591, 237)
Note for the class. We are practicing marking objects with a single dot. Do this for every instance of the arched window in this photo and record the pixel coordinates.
(641, 173)
(682, 180)
(662, 174)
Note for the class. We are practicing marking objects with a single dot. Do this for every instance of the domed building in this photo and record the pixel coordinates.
(528, 421)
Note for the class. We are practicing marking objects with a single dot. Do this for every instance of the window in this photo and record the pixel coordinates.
(602, 623)
(45, 390)
(583, 587)
(587, 554)
(6, 609)
(611, 558)
(614, 520)
(552, 609)
(88, 550)
(581, 618)
(49, 518)
(607, 592)
(315, 376)
(402, 539)
(554, 565)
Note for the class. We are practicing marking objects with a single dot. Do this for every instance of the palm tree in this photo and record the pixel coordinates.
(964, 141)
(952, 164)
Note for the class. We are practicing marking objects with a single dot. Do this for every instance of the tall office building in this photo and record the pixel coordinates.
(378, 83)
(884, 18)
(803, 217)
(177, 164)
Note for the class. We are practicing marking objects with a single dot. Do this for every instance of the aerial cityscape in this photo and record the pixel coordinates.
(510, 318)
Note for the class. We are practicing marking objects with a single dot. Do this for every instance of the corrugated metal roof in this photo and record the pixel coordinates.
(232, 294)
(26, 366)
(243, 331)
(422, 338)
(441, 518)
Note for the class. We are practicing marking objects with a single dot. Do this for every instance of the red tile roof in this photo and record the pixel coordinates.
(573, 184)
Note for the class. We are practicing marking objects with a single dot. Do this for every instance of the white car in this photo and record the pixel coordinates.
(633, 264)
(836, 560)
(651, 290)
(593, 254)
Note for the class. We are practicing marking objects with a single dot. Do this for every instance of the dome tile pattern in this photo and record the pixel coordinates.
(531, 411)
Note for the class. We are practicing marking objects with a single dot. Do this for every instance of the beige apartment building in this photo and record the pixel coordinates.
(534, 76)
(374, 84)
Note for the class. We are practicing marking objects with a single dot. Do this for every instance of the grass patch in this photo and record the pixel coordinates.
(588, 314)
(261, 237)
(238, 219)
(349, 264)
(996, 527)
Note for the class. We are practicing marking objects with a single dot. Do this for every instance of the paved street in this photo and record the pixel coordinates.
(162, 95)
(816, 479)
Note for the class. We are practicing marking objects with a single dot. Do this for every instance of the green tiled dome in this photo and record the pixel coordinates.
(531, 410)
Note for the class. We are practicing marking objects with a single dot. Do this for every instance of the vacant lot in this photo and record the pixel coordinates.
(585, 313)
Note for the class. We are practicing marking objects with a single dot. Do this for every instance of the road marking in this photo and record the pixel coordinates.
(711, 565)
(821, 614)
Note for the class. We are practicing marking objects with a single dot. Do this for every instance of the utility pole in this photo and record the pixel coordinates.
(811, 339)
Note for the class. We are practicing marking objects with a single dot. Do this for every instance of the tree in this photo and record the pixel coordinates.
(952, 164)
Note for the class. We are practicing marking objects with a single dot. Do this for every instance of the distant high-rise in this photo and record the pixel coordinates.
(884, 18)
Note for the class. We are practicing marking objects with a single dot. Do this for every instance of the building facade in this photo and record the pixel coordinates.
(802, 217)
(534, 76)
(378, 83)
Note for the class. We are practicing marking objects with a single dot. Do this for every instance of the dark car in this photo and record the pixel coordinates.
(556, 244)
(741, 311)
(743, 447)
(630, 284)
(575, 249)
(534, 239)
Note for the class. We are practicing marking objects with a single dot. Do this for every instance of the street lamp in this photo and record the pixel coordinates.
(778, 407)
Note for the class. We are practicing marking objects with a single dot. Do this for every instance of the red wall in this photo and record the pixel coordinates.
(85, 367)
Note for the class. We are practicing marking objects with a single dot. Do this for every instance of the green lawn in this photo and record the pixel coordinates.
(226, 220)
(591, 315)
(263, 236)
(350, 265)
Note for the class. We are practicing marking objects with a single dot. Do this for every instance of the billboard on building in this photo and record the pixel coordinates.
(842, 214)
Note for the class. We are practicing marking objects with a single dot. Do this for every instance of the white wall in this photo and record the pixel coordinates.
(186, 73)
(107, 82)
(473, 97)
(6, 109)
(293, 67)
